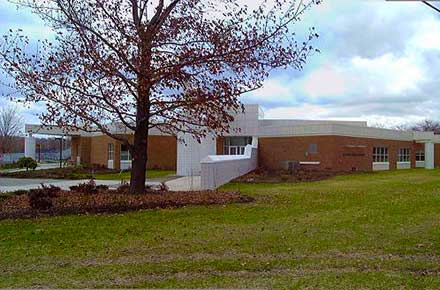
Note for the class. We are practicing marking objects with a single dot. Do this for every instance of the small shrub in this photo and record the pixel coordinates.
(41, 198)
(102, 187)
(124, 188)
(95, 166)
(19, 192)
(27, 162)
(157, 187)
(89, 187)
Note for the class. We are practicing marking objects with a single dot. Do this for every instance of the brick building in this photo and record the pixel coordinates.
(280, 144)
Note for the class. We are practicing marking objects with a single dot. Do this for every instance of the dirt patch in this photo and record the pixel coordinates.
(111, 201)
(263, 175)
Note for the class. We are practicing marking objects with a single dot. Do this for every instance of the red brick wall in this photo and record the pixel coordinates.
(336, 153)
(436, 154)
(219, 145)
(162, 151)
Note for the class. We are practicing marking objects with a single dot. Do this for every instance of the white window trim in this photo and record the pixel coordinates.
(381, 155)
(404, 155)
(420, 153)
(110, 153)
(310, 162)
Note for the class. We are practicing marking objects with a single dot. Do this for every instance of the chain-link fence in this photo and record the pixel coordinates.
(43, 156)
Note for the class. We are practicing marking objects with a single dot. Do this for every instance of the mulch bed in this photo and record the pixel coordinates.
(108, 201)
(262, 175)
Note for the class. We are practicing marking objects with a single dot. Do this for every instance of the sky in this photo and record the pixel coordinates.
(379, 62)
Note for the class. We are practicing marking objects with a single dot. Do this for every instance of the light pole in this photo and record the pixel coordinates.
(432, 6)
(61, 151)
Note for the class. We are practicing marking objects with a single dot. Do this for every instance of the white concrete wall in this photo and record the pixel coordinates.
(220, 169)
(379, 166)
(246, 124)
(403, 165)
(420, 164)
(29, 147)
(190, 153)
(429, 155)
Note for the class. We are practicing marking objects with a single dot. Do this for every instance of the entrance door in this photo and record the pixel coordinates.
(233, 150)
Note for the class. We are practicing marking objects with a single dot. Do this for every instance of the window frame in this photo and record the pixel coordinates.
(404, 155)
(420, 155)
(380, 155)
(110, 151)
(313, 148)
(123, 154)
(235, 145)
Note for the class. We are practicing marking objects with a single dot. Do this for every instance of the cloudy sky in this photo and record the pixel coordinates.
(379, 61)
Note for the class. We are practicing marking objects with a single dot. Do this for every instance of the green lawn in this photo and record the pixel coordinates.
(151, 173)
(377, 231)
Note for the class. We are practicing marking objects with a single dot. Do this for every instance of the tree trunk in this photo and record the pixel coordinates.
(139, 162)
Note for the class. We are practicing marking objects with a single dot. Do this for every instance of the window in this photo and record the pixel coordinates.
(125, 153)
(380, 154)
(235, 145)
(404, 155)
(313, 148)
(420, 155)
(110, 151)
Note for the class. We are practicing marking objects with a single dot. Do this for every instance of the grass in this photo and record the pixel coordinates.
(151, 173)
(370, 231)
(6, 166)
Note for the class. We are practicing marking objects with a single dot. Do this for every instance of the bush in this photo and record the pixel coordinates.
(41, 198)
(124, 188)
(89, 187)
(27, 162)
(19, 192)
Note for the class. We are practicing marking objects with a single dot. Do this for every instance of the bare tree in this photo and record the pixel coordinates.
(402, 127)
(176, 65)
(427, 126)
(378, 125)
(11, 124)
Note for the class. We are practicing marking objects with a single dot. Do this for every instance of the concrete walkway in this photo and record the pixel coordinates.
(39, 167)
(13, 184)
(186, 183)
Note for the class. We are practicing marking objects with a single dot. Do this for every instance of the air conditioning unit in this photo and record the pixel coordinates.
(291, 165)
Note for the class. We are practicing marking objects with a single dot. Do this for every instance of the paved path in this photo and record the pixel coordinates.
(39, 167)
(13, 184)
(186, 183)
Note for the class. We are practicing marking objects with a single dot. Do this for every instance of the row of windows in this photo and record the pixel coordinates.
(380, 154)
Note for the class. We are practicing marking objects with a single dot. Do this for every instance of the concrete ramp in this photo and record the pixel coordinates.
(186, 183)
(217, 170)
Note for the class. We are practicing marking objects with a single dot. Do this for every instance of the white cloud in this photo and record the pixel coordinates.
(379, 62)
(326, 81)
(275, 91)
(305, 111)
(427, 36)
(387, 73)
